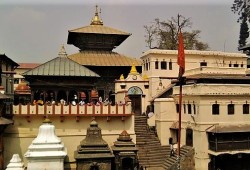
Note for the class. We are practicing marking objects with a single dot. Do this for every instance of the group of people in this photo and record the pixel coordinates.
(74, 101)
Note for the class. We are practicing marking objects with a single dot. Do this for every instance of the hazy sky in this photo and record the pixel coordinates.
(33, 30)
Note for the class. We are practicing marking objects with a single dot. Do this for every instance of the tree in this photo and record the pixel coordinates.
(244, 33)
(242, 8)
(164, 34)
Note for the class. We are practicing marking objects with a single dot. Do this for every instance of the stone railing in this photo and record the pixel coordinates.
(215, 71)
(118, 110)
(214, 89)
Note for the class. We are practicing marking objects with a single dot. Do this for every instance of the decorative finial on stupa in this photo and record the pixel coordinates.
(15, 163)
(62, 52)
(47, 120)
(145, 77)
(133, 69)
(96, 20)
(121, 77)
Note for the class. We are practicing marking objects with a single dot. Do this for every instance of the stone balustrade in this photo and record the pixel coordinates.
(29, 110)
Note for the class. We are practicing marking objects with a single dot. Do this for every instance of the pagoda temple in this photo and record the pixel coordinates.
(96, 43)
(94, 67)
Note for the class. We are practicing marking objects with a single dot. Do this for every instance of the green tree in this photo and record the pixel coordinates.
(242, 8)
(164, 34)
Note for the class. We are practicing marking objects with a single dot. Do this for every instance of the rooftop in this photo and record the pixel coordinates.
(194, 52)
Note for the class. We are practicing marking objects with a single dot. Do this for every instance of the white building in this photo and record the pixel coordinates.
(215, 108)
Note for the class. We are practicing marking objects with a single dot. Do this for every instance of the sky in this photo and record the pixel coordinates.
(33, 31)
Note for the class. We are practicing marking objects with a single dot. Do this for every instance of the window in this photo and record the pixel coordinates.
(184, 107)
(189, 137)
(189, 109)
(245, 108)
(242, 65)
(215, 109)
(230, 65)
(230, 109)
(177, 108)
(146, 66)
(203, 64)
(170, 65)
(16, 81)
(194, 108)
(236, 65)
(156, 65)
(163, 65)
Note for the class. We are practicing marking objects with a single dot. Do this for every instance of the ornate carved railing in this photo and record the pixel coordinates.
(118, 110)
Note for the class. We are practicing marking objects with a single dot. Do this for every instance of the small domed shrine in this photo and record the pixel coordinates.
(125, 152)
(46, 151)
(93, 152)
(15, 163)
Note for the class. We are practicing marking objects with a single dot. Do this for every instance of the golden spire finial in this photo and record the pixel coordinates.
(96, 20)
(121, 77)
(145, 77)
(46, 120)
(133, 69)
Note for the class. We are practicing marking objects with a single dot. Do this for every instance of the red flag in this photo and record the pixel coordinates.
(181, 55)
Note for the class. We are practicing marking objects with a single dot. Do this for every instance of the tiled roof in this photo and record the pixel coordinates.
(61, 66)
(98, 29)
(28, 65)
(103, 58)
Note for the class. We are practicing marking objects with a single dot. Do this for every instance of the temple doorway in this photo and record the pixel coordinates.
(127, 164)
(136, 104)
(189, 137)
(135, 95)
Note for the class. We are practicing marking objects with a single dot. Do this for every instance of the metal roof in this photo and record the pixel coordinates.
(61, 66)
(229, 128)
(98, 29)
(103, 58)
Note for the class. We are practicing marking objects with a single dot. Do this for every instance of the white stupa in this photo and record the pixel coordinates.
(46, 151)
(15, 163)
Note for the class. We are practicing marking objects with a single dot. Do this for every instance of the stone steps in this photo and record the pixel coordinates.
(151, 154)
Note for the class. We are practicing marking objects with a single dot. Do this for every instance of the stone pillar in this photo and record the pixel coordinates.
(46, 151)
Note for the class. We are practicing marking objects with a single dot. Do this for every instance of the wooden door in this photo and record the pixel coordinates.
(136, 104)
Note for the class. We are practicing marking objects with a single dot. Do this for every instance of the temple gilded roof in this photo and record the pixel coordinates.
(103, 58)
(99, 29)
(61, 66)
(96, 36)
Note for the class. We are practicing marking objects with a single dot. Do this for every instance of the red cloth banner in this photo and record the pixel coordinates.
(181, 55)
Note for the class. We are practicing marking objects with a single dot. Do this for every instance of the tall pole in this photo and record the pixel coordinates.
(179, 127)
(181, 63)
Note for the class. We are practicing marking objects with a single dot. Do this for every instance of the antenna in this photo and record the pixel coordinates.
(225, 45)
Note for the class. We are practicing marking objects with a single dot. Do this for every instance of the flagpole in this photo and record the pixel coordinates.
(181, 63)
(179, 126)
